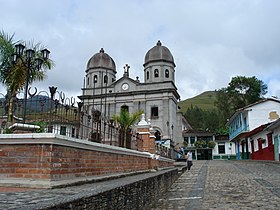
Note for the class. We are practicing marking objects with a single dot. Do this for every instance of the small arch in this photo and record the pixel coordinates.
(166, 73)
(156, 73)
(105, 79)
(157, 135)
(95, 79)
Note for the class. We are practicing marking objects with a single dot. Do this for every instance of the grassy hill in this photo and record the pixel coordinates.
(204, 101)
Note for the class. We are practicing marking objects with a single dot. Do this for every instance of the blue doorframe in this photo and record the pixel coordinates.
(276, 148)
(238, 151)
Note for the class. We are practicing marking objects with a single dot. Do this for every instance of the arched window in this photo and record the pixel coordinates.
(105, 79)
(148, 75)
(158, 135)
(156, 73)
(88, 81)
(166, 73)
(95, 79)
(125, 107)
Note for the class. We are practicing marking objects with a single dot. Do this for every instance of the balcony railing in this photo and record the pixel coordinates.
(238, 131)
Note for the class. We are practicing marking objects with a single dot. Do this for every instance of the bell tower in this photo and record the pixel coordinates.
(159, 65)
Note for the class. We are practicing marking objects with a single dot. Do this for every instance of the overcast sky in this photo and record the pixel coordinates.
(211, 40)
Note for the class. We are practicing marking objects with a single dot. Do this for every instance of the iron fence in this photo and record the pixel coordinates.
(53, 112)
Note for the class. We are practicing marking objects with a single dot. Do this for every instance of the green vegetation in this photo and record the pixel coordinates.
(13, 73)
(8, 131)
(240, 92)
(204, 120)
(42, 128)
(210, 110)
(202, 114)
(125, 120)
(204, 101)
(211, 144)
(200, 144)
(204, 144)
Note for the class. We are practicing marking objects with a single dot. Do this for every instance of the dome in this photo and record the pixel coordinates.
(159, 53)
(101, 60)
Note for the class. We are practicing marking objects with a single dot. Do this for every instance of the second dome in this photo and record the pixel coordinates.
(159, 53)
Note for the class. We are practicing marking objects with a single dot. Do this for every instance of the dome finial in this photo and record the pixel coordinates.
(158, 43)
(101, 50)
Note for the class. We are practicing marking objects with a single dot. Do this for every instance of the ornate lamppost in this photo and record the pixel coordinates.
(32, 62)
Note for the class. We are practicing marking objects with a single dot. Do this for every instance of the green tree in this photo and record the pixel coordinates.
(204, 120)
(245, 90)
(240, 92)
(223, 104)
(13, 74)
(125, 120)
(211, 120)
(195, 117)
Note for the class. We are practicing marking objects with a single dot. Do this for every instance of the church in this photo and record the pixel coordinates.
(157, 95)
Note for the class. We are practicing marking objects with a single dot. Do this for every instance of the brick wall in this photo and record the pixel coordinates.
(51, 158)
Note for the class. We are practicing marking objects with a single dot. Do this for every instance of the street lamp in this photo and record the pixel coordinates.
(32, 62)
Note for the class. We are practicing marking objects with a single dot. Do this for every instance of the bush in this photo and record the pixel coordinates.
(211, 144)
(42, 128)
(200, 143)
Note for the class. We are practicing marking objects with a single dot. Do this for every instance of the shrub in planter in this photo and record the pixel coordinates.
(185, 143)
(200, 143)
(211, 144)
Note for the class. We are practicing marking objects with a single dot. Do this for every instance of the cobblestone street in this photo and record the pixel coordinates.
(208, 185)
(225, 185)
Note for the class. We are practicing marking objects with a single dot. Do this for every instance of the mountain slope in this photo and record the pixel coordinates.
(204, 101)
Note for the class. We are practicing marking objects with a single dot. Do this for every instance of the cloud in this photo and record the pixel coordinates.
(211, 41)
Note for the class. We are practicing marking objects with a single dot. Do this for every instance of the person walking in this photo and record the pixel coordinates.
(189, 160)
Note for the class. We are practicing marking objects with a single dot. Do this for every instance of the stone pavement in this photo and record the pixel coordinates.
(225, 185)
(208, 185)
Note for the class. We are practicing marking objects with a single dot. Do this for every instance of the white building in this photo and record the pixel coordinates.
(224, 149)
(249, 118)
(157, 95)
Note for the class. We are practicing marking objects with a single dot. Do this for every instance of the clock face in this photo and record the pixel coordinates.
(125, 86)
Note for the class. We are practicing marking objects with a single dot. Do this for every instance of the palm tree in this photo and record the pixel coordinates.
(125, 121)
(13, 74)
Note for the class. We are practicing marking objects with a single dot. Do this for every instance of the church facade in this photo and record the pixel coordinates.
(157, 95)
